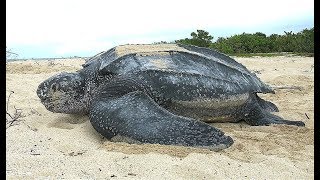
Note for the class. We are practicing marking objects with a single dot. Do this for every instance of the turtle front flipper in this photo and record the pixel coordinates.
(135, 117)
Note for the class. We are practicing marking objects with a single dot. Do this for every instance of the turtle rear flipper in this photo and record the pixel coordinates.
(137, 118)
(259, 114)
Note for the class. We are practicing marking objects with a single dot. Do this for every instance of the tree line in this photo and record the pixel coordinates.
(301, 42)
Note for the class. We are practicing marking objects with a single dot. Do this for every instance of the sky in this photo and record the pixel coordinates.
(64, 28)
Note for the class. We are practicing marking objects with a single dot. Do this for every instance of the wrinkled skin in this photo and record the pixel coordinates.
(64, 93)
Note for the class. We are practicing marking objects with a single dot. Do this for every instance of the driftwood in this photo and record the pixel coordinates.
(12, 118)
(10, 54)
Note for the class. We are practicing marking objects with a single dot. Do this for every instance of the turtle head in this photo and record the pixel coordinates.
(64, 93)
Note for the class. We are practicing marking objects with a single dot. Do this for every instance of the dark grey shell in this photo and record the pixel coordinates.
(207, 65)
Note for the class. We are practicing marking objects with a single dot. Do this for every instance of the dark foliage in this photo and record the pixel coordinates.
(301, 42)
(200, 38)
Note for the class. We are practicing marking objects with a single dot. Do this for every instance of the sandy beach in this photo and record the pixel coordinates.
(46, 145)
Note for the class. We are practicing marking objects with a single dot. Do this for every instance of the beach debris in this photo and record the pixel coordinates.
(51, 63)
(306, 115)
(76, 153)
(12, 119)
(10, 55)
(258, 71)
(73, 153)
(132, 174)
(32, 152)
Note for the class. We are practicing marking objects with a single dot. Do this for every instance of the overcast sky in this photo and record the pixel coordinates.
(60, 28)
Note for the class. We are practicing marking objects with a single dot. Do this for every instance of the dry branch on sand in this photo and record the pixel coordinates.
(12, 118)
(10, 54)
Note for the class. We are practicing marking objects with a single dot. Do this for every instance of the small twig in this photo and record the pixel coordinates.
(9, 99)
(306, 115)
(132, 174)
(9, 115)
(258, 71)
(287, 87)
(35, 154)
(15, 117)
(312, 67)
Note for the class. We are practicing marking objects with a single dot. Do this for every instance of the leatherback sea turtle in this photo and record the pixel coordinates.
(162, 93)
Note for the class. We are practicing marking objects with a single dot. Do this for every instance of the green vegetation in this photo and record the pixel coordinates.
(271, 54)
(200, 38)
(257, 44)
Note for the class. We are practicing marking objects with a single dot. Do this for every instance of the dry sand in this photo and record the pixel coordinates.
(47, 145)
